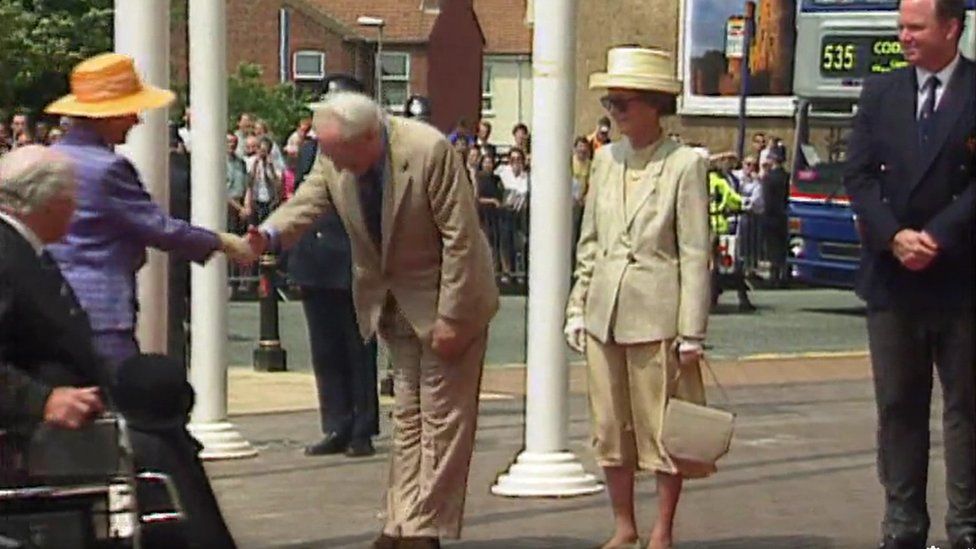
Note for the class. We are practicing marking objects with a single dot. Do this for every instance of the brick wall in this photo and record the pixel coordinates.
(252, 37)
(307, 34)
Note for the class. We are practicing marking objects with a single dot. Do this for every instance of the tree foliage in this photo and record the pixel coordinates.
(281, 105)
(41, 40)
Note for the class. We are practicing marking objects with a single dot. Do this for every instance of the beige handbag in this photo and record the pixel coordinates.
(696, 435)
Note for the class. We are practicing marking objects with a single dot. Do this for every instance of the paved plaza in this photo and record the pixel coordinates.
(801, 473)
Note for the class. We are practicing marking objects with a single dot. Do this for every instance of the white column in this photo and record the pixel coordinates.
(208, 200)
(142, 32)
(546, 467)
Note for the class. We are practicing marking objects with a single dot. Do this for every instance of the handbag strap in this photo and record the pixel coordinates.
(708, 366)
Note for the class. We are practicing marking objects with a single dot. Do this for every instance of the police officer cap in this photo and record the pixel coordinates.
(341, 82)
(417, 106)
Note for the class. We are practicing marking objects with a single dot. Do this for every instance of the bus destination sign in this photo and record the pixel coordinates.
(858, 56)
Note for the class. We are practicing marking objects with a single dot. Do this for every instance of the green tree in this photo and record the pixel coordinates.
(41, 40)
(281, 105)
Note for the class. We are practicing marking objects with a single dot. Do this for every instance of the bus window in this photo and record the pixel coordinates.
(818, 167)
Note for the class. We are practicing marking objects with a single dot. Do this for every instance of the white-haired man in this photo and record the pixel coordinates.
(49, 372)
(422, 279)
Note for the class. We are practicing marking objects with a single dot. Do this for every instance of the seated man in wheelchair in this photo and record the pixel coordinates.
(67, 477)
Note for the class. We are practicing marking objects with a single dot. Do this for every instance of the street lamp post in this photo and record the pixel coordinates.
(378, 24)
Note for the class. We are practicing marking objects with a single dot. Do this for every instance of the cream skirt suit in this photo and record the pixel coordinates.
(642, 286)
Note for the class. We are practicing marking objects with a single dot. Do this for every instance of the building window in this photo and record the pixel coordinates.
(395, 71)
(486, 86)
(430, 6)
(309, 65)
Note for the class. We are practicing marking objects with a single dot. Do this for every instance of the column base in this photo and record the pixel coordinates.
(270, 358)
(221, 440)
(555, 474)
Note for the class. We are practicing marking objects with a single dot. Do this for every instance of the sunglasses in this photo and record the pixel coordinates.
(621, 104)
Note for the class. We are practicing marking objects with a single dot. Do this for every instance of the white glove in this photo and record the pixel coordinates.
(575, 331)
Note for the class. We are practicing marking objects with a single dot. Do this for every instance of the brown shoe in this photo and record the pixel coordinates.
(386, 542)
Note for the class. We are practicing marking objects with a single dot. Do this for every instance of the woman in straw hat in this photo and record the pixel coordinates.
(116, 218)
(639, 307)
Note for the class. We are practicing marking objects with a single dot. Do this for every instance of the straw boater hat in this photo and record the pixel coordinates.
(637, 69)
(107, 85)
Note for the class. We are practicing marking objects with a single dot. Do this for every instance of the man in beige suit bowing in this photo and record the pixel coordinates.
(422, 278)
(640, 304)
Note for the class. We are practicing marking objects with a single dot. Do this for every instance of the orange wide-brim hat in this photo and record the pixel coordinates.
(107, 85)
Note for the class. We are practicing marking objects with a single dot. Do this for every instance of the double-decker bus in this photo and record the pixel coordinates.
(839, 43)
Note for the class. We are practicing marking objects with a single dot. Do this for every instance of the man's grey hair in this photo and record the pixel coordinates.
(32, 175)
(354, 113)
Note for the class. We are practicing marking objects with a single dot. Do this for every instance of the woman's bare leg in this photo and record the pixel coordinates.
(620, 485)
(668, 493)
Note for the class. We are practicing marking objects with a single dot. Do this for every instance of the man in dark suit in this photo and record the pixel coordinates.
(776, 191)
(49, 371)
(179, 268)
(345, 366)
(910, 175)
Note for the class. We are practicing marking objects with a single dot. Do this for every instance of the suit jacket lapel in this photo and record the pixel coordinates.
(615, 176)
(957, 94)
(905, 120)
(646, 188)
(398, 174)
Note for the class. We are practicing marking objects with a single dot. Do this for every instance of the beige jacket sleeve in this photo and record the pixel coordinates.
(587, 249)
(463, 269)
(693, 251)
(311, 201)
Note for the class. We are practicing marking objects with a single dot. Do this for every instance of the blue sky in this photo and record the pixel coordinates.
(708, 23)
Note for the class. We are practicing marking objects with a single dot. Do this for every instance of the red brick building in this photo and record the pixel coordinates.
(302, 40)
(282, 36)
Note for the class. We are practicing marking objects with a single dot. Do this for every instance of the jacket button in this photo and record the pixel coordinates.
(631, 258)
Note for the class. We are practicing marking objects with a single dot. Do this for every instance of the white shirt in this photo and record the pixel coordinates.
(923, 75)
(259, 171)
(752, 190)
(24, 231)
(516, 187)
(184, 134)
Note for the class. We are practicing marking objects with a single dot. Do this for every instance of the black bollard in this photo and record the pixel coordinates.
(269, 356)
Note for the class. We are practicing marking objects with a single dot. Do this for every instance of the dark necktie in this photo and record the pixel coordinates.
(926, 118)
(371, 201)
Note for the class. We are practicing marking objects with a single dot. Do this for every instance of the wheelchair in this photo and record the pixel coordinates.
(79, 489)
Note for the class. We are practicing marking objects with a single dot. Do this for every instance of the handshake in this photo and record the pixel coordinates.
(243, 249)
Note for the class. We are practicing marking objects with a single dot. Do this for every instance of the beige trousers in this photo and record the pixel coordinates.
(435, 414)
(629, 387)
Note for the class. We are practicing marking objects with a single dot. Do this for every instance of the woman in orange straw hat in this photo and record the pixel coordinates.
(116, 218)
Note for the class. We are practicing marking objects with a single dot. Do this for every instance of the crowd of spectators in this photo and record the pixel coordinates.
(748, 194)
